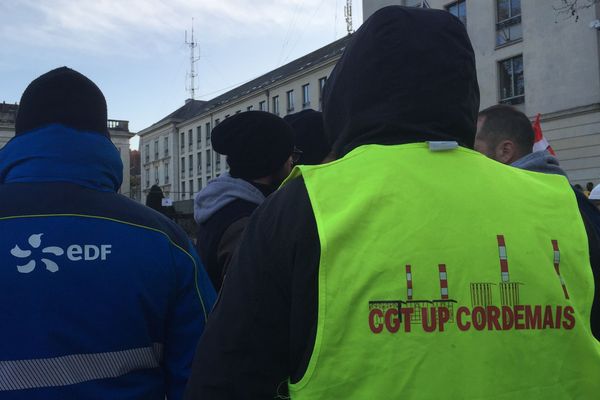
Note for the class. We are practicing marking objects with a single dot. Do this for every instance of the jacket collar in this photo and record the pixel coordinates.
(57, 153)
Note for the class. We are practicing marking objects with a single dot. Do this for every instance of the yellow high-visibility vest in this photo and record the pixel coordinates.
(446, 275)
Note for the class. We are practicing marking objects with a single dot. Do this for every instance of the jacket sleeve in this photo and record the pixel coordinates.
(262, 328)
(191, 302)
(229, 243)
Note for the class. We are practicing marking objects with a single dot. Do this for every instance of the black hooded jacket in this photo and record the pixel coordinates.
(396, 83)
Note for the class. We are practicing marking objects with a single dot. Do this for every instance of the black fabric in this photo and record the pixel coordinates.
(62, 96)
(591, 218)
(309, 136)
(411, 81)
(588, 209)
(210, 233)
(154, 198)
(256, 143)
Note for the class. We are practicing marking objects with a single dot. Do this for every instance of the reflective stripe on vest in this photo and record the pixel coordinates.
(446, 275)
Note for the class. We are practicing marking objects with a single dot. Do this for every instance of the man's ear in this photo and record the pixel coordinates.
(506, 152)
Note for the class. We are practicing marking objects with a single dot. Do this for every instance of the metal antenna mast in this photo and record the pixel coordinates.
(192, 74)
(348, 15)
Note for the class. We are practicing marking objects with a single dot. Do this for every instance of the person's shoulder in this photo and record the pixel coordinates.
(289, 204)
(128, 210)
(62, 198)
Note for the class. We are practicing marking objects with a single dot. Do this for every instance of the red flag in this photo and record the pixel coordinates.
(540, 142)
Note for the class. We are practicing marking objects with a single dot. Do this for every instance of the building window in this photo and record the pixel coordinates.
(182, 139)
(166, 147)
(207, 133)
(190, 138)
(508, 26)
(192, 188)
(156, 149)
(166, 172)
(217, 161)
(156, 175)
(249, 108)
(217, 121)
(147, 153)
(512, 83)
(198, 137)
(208, 159)
(459, 10)
(321, 87)
(306, 95)
(290, 101)
(276, 105)
(199, 184)
(199, 163)
(183, 190)
(191, 165)
(262, 106)
(182, 166)
(147, 177)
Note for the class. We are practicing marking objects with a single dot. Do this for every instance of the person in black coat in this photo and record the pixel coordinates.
(259, 148)
(395, 84)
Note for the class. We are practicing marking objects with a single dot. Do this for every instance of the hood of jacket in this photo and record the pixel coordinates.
(540, 161)
(57, 153)
(221, 191)
(407, 75)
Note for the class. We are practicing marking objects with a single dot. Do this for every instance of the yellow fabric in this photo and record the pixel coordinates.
(382, 208)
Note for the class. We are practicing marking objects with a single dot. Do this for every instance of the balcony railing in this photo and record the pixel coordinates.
(117, 125)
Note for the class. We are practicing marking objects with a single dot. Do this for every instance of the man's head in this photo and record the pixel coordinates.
(504, 134)
(258, 146)
(309, 136)
(62, 96)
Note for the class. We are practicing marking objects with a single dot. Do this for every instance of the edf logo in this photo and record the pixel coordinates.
(88, 252)
(75, 252)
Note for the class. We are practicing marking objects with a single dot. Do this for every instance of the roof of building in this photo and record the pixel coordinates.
(315, 58)
(194, 108)
(187, 111)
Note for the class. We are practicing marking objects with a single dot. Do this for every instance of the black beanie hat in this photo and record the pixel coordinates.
(62, 96)
(309, 136)
(256, 143)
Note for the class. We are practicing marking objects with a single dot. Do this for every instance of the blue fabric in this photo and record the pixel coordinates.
(56, 153)
(540, 161)
(57, 190)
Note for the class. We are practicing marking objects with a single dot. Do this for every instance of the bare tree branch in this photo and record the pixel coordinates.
(570, 8)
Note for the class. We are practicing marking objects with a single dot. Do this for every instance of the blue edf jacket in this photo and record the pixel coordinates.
(100, 297)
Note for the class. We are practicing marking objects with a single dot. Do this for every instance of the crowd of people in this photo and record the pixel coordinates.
(345, 255)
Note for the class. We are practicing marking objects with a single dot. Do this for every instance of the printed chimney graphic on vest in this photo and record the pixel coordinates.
(394, 316)
(481, 292)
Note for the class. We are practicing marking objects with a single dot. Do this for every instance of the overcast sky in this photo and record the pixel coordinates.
(134, 49)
